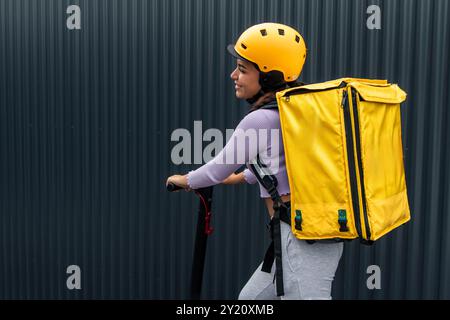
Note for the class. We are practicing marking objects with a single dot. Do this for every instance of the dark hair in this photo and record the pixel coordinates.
(264, 97)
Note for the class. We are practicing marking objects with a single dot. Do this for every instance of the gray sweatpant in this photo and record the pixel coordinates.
(308, 271)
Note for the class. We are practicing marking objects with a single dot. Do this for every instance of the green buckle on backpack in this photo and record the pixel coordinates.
(342, 220)
(298, 220)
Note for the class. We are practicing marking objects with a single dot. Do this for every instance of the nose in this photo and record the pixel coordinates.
(234, 74)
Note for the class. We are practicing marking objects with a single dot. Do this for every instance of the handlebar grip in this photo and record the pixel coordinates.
(173, 187)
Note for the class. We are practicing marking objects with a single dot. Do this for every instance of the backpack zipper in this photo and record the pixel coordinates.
(359, 159)
(303, 90)
(351, 162)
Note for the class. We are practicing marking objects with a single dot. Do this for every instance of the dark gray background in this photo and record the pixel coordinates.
(85, 123)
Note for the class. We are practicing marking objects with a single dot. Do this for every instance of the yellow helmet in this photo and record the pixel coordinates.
(272, 47)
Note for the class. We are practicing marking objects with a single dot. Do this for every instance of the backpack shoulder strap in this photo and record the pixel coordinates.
(265, 177)
(271, 105)
(274, 252)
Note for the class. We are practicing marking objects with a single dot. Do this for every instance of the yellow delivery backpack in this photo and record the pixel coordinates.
(344, 158)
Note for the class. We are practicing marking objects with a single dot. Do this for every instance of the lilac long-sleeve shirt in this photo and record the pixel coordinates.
(258, 132)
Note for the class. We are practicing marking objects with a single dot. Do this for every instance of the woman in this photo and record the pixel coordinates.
(270, 58)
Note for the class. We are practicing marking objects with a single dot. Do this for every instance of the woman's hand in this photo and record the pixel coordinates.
(179, 180)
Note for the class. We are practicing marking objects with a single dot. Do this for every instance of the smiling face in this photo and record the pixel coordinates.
(246, 80)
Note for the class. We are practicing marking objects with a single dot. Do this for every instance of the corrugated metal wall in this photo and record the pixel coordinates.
(86, 118)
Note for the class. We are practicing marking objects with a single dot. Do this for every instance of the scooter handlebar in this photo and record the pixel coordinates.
(173, 187)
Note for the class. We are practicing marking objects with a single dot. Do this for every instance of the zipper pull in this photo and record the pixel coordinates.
(344, 99)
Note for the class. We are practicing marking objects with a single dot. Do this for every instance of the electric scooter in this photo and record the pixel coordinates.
(204, 229)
